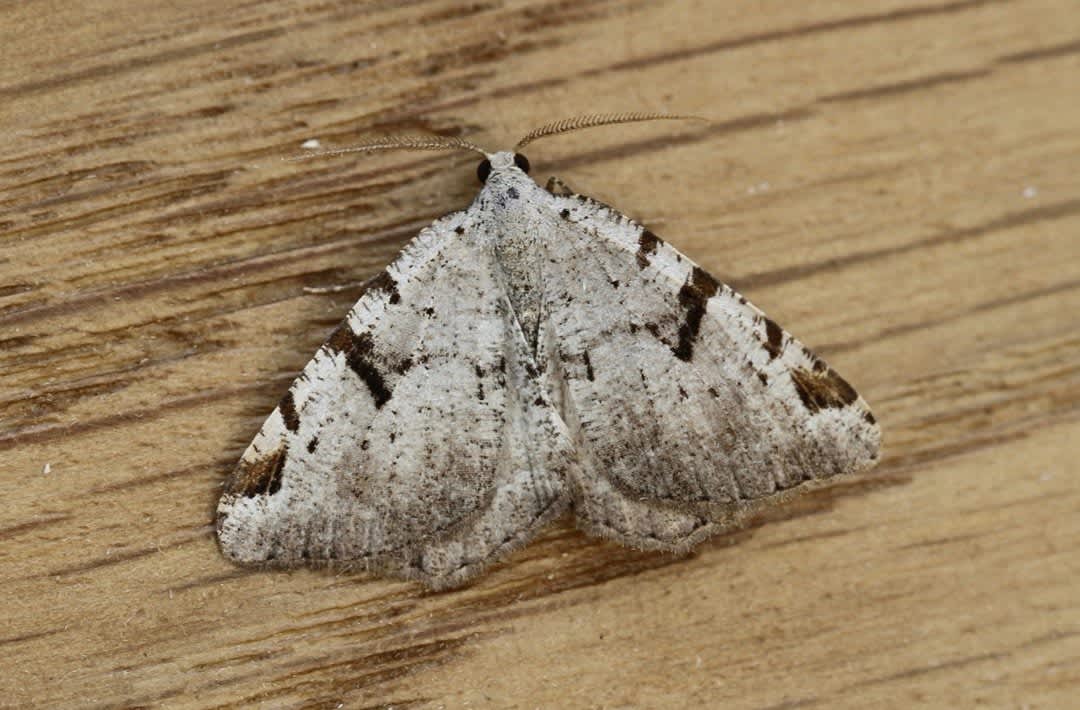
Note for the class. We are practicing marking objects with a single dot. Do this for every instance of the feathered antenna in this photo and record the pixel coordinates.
(400, 142)
(599, 119)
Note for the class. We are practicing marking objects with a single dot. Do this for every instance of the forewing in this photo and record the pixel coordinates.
(404, 445)
(678, 392)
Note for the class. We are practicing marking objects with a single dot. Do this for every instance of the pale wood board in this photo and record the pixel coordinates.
(895, 182)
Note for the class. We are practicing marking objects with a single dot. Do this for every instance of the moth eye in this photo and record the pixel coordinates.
(522, 162)
(483, 170)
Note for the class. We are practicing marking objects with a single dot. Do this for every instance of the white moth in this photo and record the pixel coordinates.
(536, 353)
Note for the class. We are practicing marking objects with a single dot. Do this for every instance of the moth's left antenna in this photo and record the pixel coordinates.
(399, 143)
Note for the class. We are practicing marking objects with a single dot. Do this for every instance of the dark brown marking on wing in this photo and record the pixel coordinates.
(287, 407)
(261, 477)
(822, 389)
(647, 245)
(654, 330)
(589, 374)
(360, 357)
(361, 361)
(774, 336)
(313, 444)
(384, 282)
(694, 297)
(341, 339)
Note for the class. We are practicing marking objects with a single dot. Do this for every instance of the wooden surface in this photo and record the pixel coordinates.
(896, 182)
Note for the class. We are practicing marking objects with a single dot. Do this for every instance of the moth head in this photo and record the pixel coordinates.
(504, 160)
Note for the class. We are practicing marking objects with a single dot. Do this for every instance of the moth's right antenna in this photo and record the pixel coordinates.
(399, 143)
(598, 119)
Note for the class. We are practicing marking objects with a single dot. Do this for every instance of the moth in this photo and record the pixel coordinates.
(534, 354)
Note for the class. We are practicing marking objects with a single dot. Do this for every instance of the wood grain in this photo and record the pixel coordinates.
(895, 182)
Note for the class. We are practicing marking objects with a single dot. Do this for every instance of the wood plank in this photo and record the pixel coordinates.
(894, 182)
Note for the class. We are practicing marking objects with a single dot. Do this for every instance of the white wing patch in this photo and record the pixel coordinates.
(685, 401)
(532, 354)
(412, 443)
